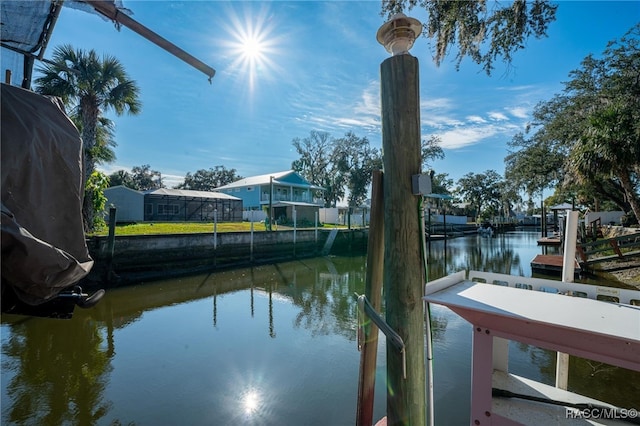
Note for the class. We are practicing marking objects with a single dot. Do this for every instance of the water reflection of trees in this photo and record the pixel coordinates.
(324, 288)
(325, 294)
(475, 253)
(59, 370)
(544, 360)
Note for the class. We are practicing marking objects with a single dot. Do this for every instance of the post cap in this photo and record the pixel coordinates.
(398, 34)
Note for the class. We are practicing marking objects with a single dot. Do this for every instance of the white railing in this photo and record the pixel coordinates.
(607, 294)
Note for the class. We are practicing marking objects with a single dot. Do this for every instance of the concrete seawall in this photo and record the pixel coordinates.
(149, 257)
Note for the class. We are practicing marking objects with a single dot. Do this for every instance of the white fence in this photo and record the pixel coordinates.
(254, 215)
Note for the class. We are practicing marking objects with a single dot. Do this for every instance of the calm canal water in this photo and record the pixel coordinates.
(269, 345)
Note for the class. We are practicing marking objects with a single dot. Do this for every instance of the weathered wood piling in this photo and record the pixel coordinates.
(403, 269)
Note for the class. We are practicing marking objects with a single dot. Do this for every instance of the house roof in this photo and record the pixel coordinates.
(288, 177)
(186, 193)
(122, 187)
(563, 206)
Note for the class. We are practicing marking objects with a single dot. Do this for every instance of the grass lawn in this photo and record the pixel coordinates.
(180, 228)
(186, 228)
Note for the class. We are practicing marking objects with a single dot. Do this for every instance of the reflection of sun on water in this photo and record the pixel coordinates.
(251, 402)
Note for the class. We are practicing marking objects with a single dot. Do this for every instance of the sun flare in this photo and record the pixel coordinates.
(252, 48)
(252, 45)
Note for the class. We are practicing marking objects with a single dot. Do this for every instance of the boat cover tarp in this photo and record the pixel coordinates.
(43, 244)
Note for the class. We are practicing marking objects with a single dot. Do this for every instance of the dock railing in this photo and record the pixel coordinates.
(624, 246)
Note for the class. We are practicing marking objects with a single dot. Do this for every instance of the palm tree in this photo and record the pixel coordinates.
(103, 151)
(612, 144)
(89, 86)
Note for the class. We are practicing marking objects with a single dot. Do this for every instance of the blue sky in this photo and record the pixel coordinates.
(317, 69)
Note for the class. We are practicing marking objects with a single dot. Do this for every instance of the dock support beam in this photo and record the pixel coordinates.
(403, 269)
(568, 271)
(373, 292)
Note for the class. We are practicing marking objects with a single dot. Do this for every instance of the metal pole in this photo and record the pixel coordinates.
(270, 202)
(109, 10)
(215, 229)
(295, 215)
(251, 247)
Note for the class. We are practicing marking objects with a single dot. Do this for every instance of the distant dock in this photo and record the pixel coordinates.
(550, 264)
(550, 241)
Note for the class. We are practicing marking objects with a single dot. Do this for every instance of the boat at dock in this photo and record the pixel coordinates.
(593, 322)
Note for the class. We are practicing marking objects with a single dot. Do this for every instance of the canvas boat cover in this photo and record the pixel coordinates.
(43, 244)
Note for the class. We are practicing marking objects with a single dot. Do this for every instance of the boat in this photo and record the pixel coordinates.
(44, 251)
(593, 322)
(486, 230)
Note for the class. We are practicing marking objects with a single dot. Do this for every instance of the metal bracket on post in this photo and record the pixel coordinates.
(365, 309)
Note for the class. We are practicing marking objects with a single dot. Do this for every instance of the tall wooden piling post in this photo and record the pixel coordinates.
(403, 269)
(373, 292)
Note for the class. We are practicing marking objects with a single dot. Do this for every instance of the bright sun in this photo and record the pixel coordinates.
(252, 44)
(252, 48)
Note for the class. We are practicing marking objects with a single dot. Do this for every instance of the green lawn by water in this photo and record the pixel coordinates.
(186, 228)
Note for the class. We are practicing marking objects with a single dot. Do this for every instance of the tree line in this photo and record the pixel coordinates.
(144, 178)
(585, 141)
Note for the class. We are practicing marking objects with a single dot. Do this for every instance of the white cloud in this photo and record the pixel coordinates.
(519, 112)
(461, 137)
(436, 104)
(340, 112)
(476, 119)
(171, 181)
(498, 116)
(437, 113)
